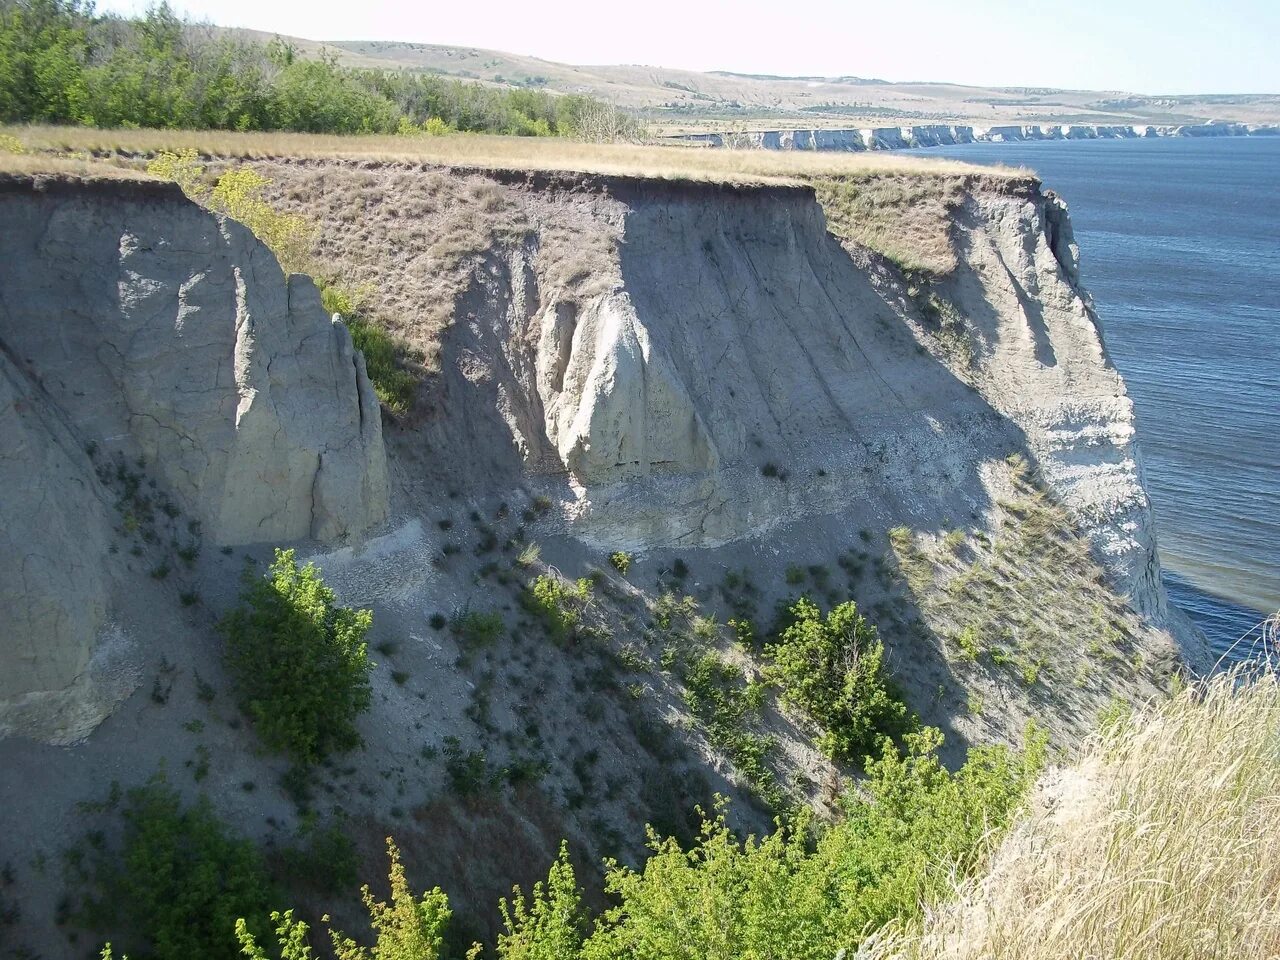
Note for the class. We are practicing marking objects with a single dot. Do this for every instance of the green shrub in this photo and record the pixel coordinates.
(903, 844)
(299, 661)
(238, 194)
(407, 928)
(384, 355)
(834, 671)
(179, 880)
(550, 924)
(474, 629)
(969, 643)
(323, 857)
(621, 561)
(557, 603)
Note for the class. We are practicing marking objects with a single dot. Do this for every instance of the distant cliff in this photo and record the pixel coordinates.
(934, 135)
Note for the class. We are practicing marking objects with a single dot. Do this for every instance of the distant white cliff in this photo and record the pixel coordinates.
(933, 135)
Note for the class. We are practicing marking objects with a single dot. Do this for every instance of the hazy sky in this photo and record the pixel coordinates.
(1146, 46)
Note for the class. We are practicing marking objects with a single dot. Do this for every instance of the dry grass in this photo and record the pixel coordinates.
(741, 167)
(418, 239)
(1162, 843)
(905, 216)
(34, 164)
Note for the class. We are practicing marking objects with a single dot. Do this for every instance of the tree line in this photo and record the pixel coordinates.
(62, 62)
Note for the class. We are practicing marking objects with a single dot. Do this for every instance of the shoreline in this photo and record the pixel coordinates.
(857, 139)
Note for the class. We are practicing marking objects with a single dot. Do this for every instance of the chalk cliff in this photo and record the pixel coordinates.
(740, 341)
(933, 135)
(136, 325)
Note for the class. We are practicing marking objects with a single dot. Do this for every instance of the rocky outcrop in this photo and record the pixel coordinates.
(137, 325)
(747, 373)
(162, 331)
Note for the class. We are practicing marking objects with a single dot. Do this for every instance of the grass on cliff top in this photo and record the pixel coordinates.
(553, 154)
(1161, 842)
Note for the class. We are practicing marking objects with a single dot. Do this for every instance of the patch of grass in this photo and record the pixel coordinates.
(528, 555)
(475, 629)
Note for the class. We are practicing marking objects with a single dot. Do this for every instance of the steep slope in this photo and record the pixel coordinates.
(702, 375)
(660, 346)
(141, 335)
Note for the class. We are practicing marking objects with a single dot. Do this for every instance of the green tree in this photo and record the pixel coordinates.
(407, 928)
(834, 671)
(549, 925)
(299, 661)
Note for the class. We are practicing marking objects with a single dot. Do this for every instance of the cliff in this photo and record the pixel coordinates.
(933, 135)
(143, 338)
(700, 376)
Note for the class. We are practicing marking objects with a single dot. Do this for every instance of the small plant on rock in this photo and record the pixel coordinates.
(558, 603)
(621, 561)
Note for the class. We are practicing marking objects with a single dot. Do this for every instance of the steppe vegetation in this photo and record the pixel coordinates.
(1010, 601)
(498, 153)
(1159, 839)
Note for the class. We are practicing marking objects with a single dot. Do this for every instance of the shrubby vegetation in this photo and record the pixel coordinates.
(407, 928)
(61, 62)
(179, 877)
(834, 671)
(801, 893)
(558, 604)
(383, 354)
(299, 661)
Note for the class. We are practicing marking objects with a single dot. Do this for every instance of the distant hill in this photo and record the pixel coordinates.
(691, 99)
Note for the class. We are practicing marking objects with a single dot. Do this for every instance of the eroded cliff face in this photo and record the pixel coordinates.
(135, 325)
(745, 371)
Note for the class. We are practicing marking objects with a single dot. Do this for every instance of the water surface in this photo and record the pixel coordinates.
(1180, 246)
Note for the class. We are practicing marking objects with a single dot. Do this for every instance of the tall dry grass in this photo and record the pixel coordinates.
(745, 167)
(1163, 843)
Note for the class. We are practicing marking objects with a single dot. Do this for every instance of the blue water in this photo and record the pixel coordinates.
(1180, 246)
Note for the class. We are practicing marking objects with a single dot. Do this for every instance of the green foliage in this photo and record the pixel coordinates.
(184, 169)
(804, 892)
(407, 928)
(621, 561)
(384, 355)
(61, 62)
(298, 660)
(323, 858)
(792, 896)
(718, 696)
(557, 603)
(549, 925)
(238, 194)
(834, 671)
(291, 937)
(475, 629)
(969, 643)
(180, 878)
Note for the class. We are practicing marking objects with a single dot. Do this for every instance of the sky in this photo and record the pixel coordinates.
(1142, 46)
